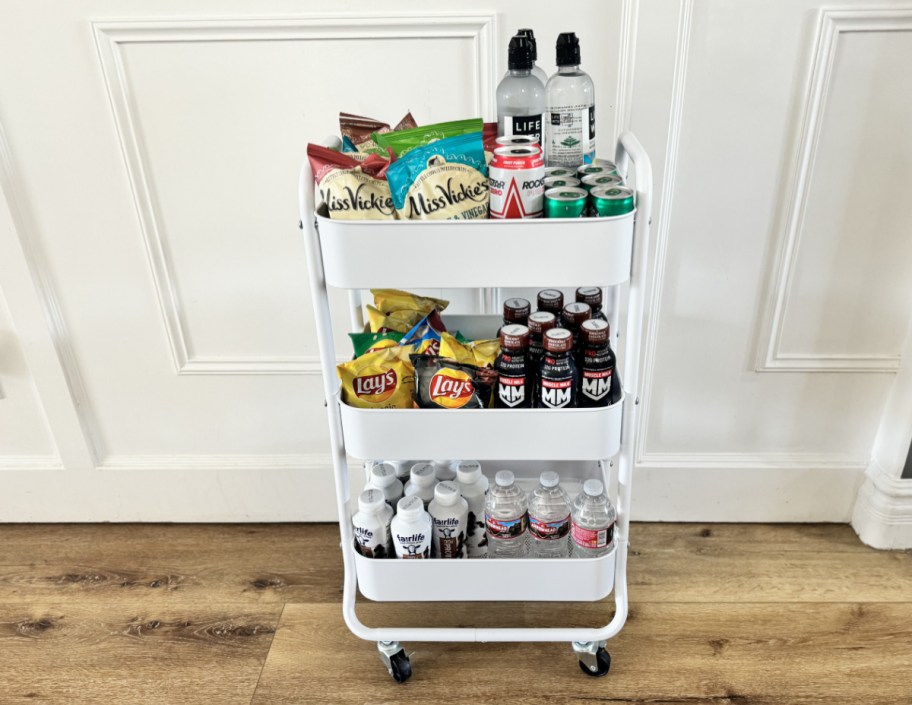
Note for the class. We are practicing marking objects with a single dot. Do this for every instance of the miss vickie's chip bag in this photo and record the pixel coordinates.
(444, 180)
(352, 190)
(384, 379)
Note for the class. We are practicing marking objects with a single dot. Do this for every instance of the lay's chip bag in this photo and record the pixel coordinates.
(398, 321)
(481, 353)
(384, 379)
(389, 300)
(445, 384)
(425, 336)
(364, 343)
(444, 180)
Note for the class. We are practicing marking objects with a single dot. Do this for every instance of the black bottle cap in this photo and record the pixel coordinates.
(519, 55)
(568, 50)
(530, 35)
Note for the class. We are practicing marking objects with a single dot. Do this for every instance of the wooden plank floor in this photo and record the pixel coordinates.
(758, 614)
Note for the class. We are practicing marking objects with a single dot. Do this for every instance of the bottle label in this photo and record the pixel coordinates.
(591, 538)
(571, 135)
(596, 383)
(511, 391)
(526, 125)
(450, 535)
(549, 530)
(505, 528)
(416, 545)
(557, 393)
(476, 538)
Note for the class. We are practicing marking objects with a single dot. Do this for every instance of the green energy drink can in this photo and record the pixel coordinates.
(560, 182)
(600, 169)
(567, 202)
(613, 200)
(559, 171)
(591, 181)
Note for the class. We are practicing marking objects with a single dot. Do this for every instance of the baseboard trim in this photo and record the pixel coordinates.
(883, 510)
(299, 488)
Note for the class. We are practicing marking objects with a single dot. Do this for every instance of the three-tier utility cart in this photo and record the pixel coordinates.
(579, 443)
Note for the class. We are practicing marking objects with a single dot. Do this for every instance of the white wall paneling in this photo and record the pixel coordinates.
(842, 294)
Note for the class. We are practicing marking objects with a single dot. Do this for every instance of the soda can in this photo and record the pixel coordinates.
(600, 169)
(614, 200)
(565, 202)
(517, 176)
(519, 141)
(560, 182)
(591, 181)
(559, 171)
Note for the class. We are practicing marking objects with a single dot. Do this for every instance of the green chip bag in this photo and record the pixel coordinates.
(364, 343)
(402, 141)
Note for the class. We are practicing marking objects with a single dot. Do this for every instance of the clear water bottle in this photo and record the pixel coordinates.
(549, 518)
(505, 518)
(592, 524)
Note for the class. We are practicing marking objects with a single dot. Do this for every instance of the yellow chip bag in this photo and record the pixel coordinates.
(397, 321)
(480, 353)
(384, 379)
(389, 300)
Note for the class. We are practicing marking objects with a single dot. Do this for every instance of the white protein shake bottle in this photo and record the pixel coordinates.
(383, 477)
(444, 470)
(421, 482)
(473, 486)
(449, 513)
(411, 529)
(371, 525)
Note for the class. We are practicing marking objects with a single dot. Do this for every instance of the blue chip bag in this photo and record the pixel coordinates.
(425, 336)
(443, 180)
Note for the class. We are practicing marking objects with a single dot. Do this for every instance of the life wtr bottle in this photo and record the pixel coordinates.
(549, 518)
(570, 111)
(411, 529)
(536, 69)
(592, 522)
(449, 516)
(371, 525)
(505, 518)
(473, 486)
(520, 95)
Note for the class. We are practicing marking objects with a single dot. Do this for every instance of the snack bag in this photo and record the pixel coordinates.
(489, 138)
(445, 384)
(379, 380)
(445, 180)
(398, 321)
(404, 141)
(357, 130)
(425, 336)
(352, 190)
(389, 300)
(364, 343)
(480, 353)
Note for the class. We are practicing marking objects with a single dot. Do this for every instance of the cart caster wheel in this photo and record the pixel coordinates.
(400, 667)
(395, 660)
(601, 666)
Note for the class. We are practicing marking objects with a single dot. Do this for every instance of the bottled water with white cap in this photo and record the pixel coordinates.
(505, 518)
(593, 522)
(549, 518)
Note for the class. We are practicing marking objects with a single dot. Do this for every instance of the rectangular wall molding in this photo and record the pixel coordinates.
(770, 357)
(112, 37)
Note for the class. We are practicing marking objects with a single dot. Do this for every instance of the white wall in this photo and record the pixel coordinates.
(157, 358)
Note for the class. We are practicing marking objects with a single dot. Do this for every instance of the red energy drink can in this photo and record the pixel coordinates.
(517, 177)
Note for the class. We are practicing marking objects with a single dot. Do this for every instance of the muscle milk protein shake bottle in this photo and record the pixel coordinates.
(570, 111)
(411, 529)
(473, 486)
(371, 525)
(449, 515)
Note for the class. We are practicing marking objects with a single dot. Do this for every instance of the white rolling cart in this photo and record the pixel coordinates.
(580, 443)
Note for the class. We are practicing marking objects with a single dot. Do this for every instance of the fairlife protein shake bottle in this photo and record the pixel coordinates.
(520, 95)
(570, 111)
(505, 518)
(473, 486)
(449, 516)
(421, 482)
(411, 528)
(371, 525)
(383, 477)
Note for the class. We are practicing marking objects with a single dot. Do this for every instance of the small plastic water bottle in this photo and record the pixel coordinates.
(549, 518)
(505, 518)
(592, 524)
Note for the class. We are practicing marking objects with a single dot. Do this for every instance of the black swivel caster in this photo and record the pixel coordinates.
(593, 659)
(395, 659)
